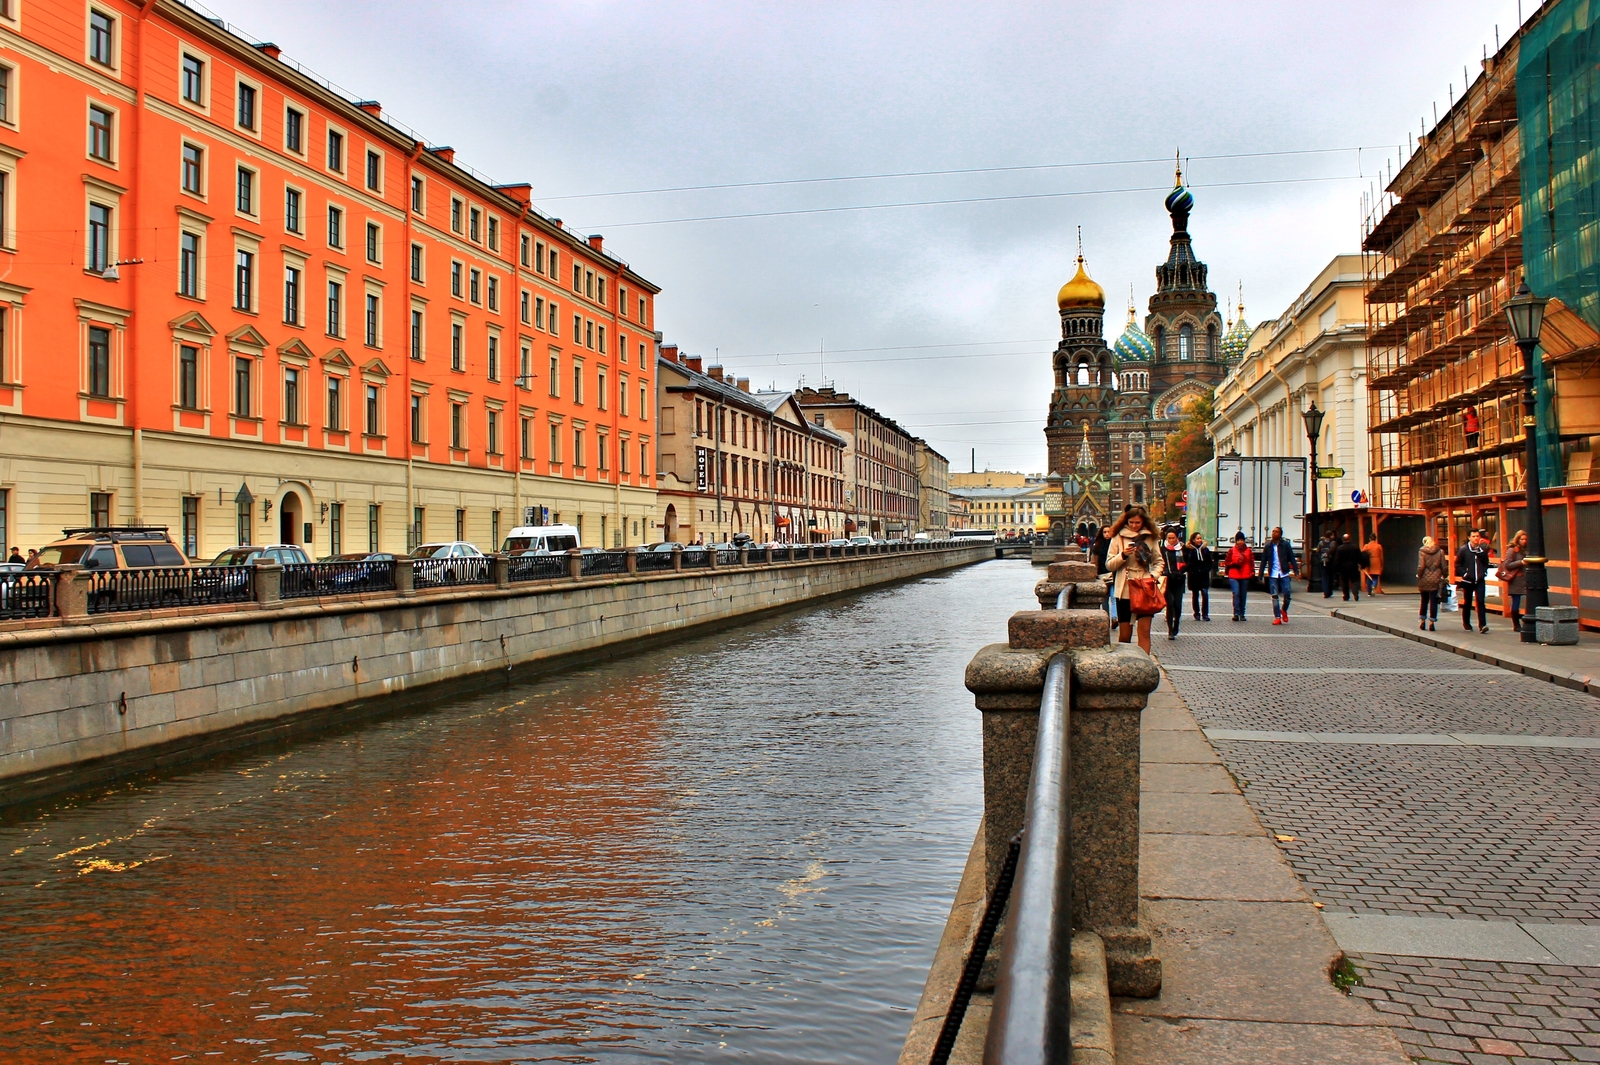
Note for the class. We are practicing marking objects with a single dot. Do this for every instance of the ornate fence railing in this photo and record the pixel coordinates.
(538, 567)
(26, 595)
(605, 562)
(653, 561)
(432, 572)
(304, 579)
(156, 587)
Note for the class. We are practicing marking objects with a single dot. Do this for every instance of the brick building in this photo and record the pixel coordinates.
(219, 274)
(880, 463)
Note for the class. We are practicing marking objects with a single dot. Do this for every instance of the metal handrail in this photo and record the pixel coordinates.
(1030, 1023)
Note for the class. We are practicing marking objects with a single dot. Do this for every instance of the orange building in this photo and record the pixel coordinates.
(235, 303)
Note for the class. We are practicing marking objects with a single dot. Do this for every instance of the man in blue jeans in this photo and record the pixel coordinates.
(1472, 575)
(1278, 566)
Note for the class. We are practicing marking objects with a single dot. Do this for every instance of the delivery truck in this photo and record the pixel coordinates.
(1248, 494)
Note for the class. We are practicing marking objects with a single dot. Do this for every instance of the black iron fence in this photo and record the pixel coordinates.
(433, 572)
(39, 594)
(600, 563)
(538, 567)
(156, 587)
(26, 595)
(653, 561)
(336, 578)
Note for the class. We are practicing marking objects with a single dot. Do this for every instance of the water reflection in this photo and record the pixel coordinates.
(741, 846)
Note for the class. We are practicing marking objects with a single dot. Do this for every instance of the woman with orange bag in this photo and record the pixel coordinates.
(1134, 555)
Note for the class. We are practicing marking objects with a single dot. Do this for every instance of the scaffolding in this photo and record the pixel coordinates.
(1442, 250)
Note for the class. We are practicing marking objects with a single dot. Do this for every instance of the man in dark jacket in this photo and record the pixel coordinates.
(1202, 566)
(1347, 564)
(1325, 548)
(1278, 566)
(1472, 574)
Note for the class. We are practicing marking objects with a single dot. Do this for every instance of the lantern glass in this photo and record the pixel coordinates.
(1525, 312)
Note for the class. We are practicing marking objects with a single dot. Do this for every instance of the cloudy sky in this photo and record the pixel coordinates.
(1036, 118)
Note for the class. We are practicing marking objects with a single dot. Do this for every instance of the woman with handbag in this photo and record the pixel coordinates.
(1514, 571)
(1134, 556)
(1240, 566)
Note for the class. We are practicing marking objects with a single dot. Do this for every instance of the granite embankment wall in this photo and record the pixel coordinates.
(84, 703)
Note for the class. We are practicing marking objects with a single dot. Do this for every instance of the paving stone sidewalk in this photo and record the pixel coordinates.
(1433, 833)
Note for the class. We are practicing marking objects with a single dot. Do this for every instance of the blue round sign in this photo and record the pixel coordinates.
(1355, 497)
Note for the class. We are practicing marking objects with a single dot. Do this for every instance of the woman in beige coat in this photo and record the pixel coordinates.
(1134, 552)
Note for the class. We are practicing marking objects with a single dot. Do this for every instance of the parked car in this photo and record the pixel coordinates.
(362, 570)
(112, 547)
(229, 571)
(458, 562)
(840, 542)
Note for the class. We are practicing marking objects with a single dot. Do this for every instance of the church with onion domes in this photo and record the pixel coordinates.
(1113, 405)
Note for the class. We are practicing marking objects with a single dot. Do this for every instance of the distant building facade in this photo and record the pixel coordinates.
(1314, 352)
(880, 471)
(1009, 511)
(933, 491)
(732, 461)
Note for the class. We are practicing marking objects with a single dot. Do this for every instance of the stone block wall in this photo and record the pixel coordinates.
(88, 702)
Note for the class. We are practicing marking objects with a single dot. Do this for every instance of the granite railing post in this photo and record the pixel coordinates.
(500, 570)
(269, 583)
(1110, 684)
(677, 558)
(1070, 575)
(405, 576)
(72, 592)
(632, 558)
(574, 563)
(766, 555)
(744, 556)
(711, 556)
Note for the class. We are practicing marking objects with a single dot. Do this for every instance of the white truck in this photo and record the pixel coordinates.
(1253, 495)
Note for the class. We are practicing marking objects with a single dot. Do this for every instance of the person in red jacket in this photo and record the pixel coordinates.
(1240, 566)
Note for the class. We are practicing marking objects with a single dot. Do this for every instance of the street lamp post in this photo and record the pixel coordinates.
(1525, 311)
(1313, 418)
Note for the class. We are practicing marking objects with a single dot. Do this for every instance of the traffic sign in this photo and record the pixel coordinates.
(1330, 471)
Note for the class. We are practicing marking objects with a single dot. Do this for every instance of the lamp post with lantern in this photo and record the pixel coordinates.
(1525, 312)
(1313, 419)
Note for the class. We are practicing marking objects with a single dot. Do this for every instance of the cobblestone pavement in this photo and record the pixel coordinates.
(1465, 833)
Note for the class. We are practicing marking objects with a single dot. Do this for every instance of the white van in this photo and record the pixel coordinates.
(541, 539)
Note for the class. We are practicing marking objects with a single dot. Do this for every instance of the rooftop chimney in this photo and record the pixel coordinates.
(742, 384)
(521, 192)
(272, 51)
(693, 362)
(445, 152)
(669, 352)
(715, 373)
(371, 107)
(597, 241)
(556, 222)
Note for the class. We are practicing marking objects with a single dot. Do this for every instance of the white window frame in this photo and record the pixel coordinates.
(199, 233)
(304, 199)
(366, 159)
(12, 120)
(254, 214)
(344, 150)
(414, 205)
(205, 170)
(377, 245)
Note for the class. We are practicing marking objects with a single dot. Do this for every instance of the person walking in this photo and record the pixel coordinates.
(1347, 563)
(15, 556)
(1201, 563)
(1175, 560)
(1240, 566)
(1514, 571)
(1102, 544)
(1278, 566)
(1325, 549)
(1432, 572)
(1472, 574)
(1133, 554)
(1374, 552)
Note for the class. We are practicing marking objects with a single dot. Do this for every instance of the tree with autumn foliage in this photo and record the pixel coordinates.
(1186, 449)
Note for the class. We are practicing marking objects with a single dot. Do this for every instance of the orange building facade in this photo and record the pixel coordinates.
(237, 304)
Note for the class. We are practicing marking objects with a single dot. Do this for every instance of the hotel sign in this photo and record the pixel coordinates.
(700, 468)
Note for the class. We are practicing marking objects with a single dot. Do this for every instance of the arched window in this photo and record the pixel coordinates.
(1186, 342)
(1211, 342)
(1161, 342)
(1083, 373)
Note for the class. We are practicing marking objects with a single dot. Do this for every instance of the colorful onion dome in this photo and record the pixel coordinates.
(1237, 338)
(1133, 345)
(1080, 292)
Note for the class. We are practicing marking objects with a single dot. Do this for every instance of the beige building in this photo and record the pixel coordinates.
(734, 462)
(1008, 511)
(1315, 351)
(880, 492)
(988, 479)
(933, 491)
(960, 516)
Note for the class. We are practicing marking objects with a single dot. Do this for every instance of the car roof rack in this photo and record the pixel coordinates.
(118, 533)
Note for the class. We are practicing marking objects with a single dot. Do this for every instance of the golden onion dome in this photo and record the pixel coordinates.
(1081, 291)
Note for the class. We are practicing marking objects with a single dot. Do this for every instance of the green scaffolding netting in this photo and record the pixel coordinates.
(1558, 116)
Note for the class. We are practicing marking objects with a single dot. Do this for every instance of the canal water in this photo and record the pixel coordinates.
(741, 847)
